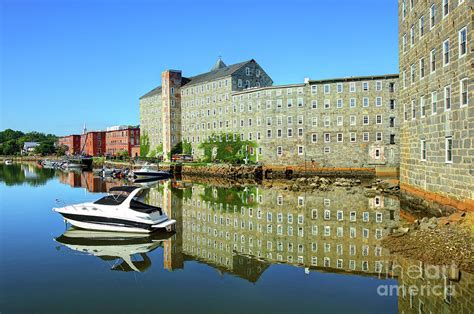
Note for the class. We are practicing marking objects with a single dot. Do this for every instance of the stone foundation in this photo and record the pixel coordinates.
(431, 203)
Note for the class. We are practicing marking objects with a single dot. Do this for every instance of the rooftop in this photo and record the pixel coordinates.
(355, 78)
(219, 70)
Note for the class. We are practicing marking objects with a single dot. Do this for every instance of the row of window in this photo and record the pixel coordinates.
(433, 103)
(205, 87)
(433, 59)
(365, 86)
(446, 7)
(326, 232)
(448, 150)
(279, 105)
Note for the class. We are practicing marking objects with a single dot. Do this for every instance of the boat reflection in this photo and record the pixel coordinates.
(128, 250)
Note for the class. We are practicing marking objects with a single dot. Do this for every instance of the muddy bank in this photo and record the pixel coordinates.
(437, 241)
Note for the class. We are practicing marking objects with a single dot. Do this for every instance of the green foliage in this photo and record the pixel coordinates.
(45, 148)
(15, 175)
(223, 148)
(11, 142)
(61, 150)
(234, 196)
(144, 145)
(123, 154)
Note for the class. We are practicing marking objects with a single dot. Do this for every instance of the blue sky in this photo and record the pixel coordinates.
(67, 62)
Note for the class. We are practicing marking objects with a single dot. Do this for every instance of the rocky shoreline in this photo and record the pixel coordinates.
(438, 241)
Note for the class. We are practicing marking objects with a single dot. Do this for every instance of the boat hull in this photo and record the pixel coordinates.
(116, 225)
(152, 175)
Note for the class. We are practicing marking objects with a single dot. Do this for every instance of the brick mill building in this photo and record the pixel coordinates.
(313, 122)
(437, 131)
(122, 139)
(111, 142)
(73, 143)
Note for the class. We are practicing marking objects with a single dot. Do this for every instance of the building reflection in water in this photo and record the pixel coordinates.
(243, 230)
(87, 180)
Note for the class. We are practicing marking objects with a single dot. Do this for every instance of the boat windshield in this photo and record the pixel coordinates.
(112, 199)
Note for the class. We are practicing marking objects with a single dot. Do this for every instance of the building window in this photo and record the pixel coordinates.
(423, 150)
(422, 106)
(314, 104)
(247, 71)
(378, 119)
(433, 61)
(422, 26)
(378, 86)
(327, 88)
(434, 99)
(353, 120)
(445, 8)
(353, 137)
(339, 137)
(365, 86)
(446, 52)
(279, 133)
(239, 83)
(366, 120)
(327, 137)
(365, 137)
(463, 42)
(327, 103)
(392, 141)
(413, 109)
(279, 150)
(365, 101)
(392, 122)
(447, 97)
(269, 133)
(339, 87)
(340, 120)
(327, 150)
(314, 138)
(290, 132)
(352, 87)
(378, 136)
(432, 16)
(449, 149)
(300, 150)
(378, 101)
(352, 102)
(463, 92)
(339, 103)
(422, 68)
(412, 35)
(289, 102)
(412, 74)
(327, 121)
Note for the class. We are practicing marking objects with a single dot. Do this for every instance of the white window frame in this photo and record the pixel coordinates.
(446, 52)
(461, 92)
(448, 92)
(461, 55)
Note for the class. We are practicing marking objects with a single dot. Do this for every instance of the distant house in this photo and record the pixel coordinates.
(29, 147)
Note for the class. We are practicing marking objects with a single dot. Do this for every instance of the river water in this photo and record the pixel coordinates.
(237, 248)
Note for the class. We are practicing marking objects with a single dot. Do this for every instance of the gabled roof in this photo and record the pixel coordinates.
(215, 74)
(153, 92)
(218, 70)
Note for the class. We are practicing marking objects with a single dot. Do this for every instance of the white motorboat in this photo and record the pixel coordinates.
(122, 210)
(127, 249)
(147, 172)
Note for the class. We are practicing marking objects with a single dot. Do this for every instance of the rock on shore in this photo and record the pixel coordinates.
(438, 241)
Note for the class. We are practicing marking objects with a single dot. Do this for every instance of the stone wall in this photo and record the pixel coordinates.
(431, 117)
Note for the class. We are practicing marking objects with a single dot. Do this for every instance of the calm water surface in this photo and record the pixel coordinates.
(236, 249)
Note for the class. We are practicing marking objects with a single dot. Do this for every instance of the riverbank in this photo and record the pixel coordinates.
(437, 241)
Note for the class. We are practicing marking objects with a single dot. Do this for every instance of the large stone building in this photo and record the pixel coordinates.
(437, 131)
(314, 122)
